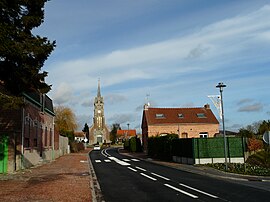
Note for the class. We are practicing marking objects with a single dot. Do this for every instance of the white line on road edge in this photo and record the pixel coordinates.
(179, 190)
(98, 161)
(103, 153)
(165, 178)
(198, 190)
(132, 169)
(140, 168)
(135, 160)
(107, 152)
(151, 178)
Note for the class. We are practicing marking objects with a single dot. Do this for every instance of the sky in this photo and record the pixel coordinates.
(170, 53)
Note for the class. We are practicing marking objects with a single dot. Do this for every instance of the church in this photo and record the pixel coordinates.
(99, 132)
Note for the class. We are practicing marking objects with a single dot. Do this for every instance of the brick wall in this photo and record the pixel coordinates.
(185, 130)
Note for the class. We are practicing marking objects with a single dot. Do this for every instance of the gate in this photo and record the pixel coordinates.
(3, 153)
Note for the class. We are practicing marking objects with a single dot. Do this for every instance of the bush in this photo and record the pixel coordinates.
(255, 144)
(161, 146)
(241, 168)
(76, 147)
(261, 158)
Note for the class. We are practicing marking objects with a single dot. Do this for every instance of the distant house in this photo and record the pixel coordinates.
(125, 134)
(79, 136)
(186, 122)
(28, 133)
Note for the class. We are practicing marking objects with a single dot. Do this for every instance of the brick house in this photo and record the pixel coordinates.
(29, 131)
(186, 122)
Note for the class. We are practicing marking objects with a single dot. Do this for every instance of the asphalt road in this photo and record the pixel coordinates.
(128, 179)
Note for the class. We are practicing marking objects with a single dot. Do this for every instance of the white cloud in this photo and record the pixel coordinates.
(63, 94)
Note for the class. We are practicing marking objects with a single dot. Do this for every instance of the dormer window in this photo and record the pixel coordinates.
(181, 116)
(160, 116)
(201, 115)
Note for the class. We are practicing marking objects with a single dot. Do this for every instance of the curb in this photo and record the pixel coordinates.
(94, 185)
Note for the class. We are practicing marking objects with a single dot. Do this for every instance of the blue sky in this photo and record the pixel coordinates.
(175, 51)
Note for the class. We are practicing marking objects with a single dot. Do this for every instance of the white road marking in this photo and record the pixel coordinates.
(132, 169)
(107, 160)
(165, 178)
(126, 160)
(151, 178)
(119, 161)
(197, 190)
(107, 152)
(135, 160)
(181, 191)
(98, 161)
(142, 169)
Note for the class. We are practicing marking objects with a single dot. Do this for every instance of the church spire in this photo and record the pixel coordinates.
(98, 92)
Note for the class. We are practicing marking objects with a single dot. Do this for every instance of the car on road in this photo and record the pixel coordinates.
(97, 147)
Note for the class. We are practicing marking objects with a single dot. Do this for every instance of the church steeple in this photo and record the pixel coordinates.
(98, 91)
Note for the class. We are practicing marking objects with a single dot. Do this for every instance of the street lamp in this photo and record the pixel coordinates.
(128, 129)
(221, 86)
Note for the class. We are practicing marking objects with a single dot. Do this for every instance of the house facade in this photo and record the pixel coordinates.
(186, 122)
(29, 133)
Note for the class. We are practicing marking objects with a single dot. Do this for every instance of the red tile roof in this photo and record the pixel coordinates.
(171, 115)
(126, 132)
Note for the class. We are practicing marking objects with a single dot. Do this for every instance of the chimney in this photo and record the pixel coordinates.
(207, 106)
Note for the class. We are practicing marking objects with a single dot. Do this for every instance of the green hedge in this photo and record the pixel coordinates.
(161, 146)
(133, 144)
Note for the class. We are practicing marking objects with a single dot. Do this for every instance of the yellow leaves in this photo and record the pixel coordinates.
(65, 119)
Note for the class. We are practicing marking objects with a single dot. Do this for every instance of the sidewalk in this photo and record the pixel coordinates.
(65, 179)
(202, 170)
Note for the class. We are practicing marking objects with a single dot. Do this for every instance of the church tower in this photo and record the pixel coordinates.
(98, 132)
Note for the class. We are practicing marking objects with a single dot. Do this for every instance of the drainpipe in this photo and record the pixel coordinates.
(22, 138)
(53, 157)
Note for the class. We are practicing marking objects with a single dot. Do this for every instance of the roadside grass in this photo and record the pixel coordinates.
(257, 164)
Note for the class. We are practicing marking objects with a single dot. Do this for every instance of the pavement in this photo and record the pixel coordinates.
(68, 178)
(72, 178)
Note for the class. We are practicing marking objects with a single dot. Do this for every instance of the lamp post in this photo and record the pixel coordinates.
(221, 86)
(128, 129)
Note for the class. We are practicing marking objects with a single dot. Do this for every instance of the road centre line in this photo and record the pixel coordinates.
(132, 169)
(135, 160)
(165, 178)
(98, 161)
(151, 178)
(140, 168)
(107, 160)
(181, 191)
(126, 160)
(197, 190)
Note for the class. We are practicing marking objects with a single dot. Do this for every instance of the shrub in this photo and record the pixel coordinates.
(255, 144)
(241, 168)
(76, 147)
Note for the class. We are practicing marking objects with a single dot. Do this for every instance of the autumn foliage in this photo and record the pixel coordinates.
(255, 144)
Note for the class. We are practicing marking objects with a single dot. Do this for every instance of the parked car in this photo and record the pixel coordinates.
(97, 147)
